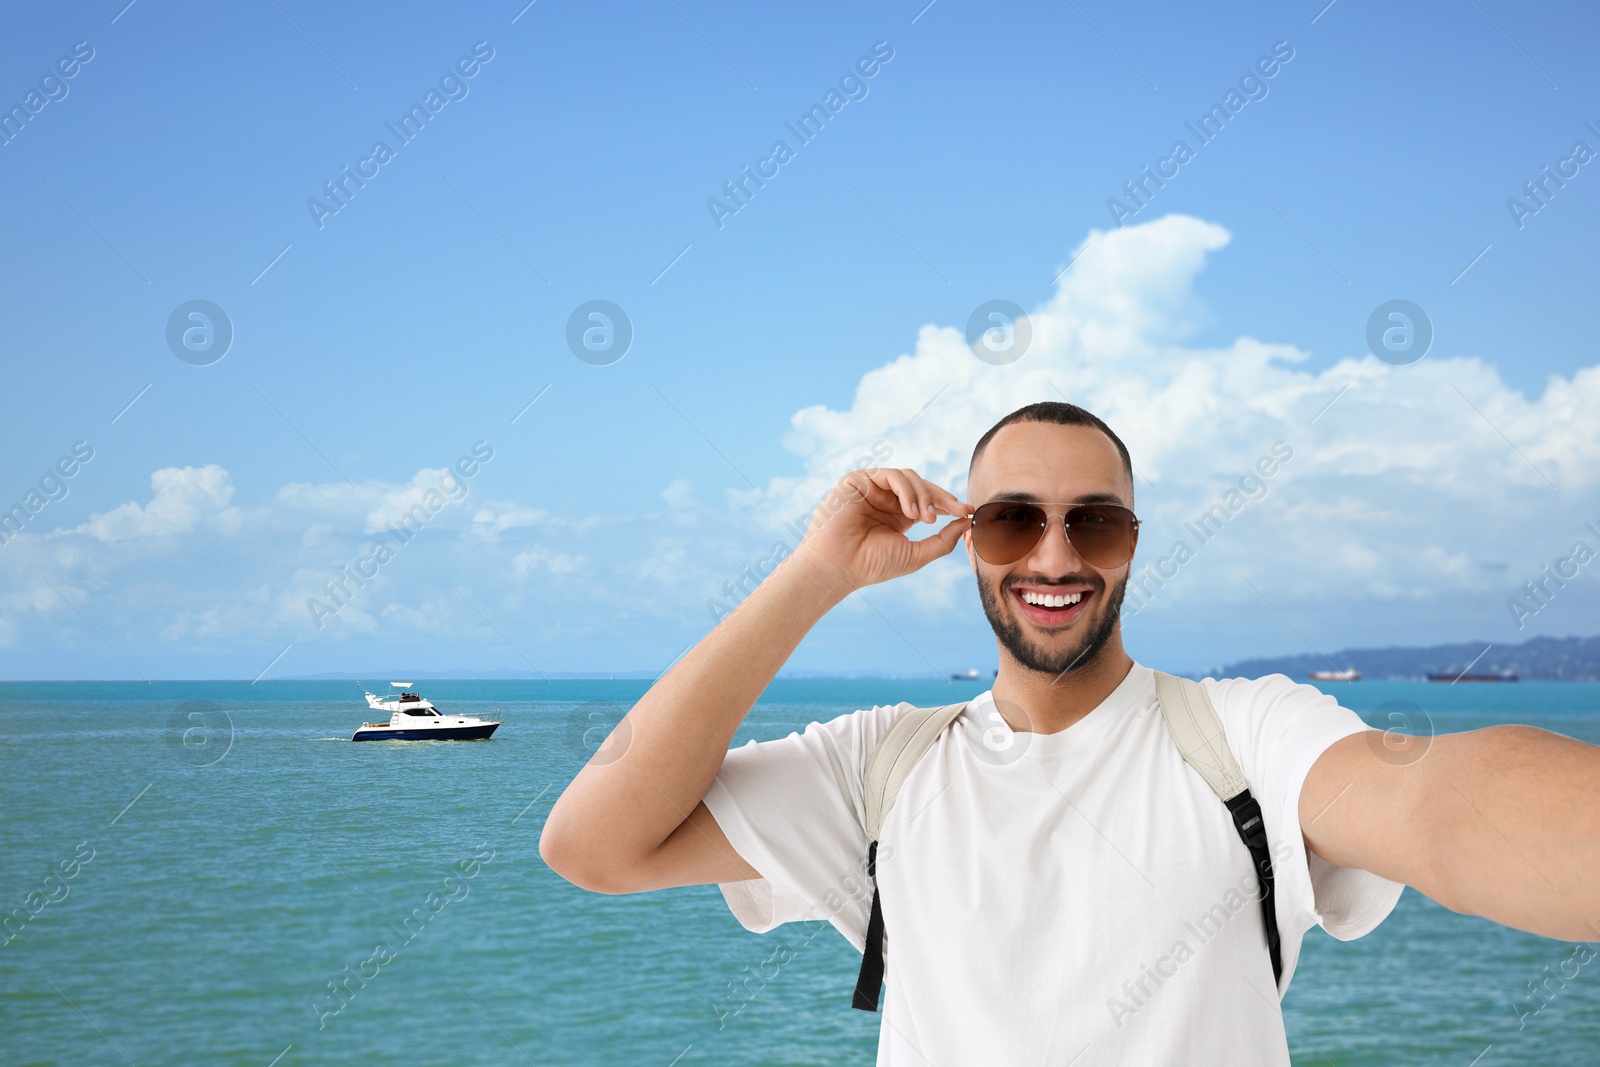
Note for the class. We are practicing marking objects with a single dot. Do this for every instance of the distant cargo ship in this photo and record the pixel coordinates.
(968, 675)
(1498, 676)
(1349, 674)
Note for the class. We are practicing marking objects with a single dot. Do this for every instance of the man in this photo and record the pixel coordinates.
(1057, 885)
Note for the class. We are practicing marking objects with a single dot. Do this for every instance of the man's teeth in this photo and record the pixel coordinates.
(1044, 600)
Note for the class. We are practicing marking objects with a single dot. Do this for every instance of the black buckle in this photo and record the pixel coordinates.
(1247, 818)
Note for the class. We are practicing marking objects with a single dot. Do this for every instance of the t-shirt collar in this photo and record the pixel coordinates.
(983, 717)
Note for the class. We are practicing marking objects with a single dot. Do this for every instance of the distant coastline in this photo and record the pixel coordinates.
(1574, 659)
(1551, 659)
(1564, 659)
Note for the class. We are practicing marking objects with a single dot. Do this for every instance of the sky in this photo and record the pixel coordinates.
(252, 373)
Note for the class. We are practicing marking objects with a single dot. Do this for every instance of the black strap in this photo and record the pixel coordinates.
(1253, 832)
(870, 983)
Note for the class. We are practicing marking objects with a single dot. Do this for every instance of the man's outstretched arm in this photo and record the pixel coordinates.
(636, 822)
(1502, 822)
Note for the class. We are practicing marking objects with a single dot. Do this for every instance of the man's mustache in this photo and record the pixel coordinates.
(1095, 581)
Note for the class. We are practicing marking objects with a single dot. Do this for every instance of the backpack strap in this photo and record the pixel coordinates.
(897, 754)
(1194, 725)
(891, 762)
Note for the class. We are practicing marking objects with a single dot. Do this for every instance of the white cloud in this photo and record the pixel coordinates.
(1425, 486)
(182, 499)
(431, 489)
(679, 494)
(39, 598)
(329, 497)
(531, 559)
(496, 517)
(379, 505)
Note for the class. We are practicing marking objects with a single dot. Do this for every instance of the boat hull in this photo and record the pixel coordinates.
(474, 732)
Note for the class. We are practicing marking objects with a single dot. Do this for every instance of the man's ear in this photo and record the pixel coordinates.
(966, 538)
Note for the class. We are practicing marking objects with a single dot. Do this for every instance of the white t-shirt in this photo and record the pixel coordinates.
(1079, 898)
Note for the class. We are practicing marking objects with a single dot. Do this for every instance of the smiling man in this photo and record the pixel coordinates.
(1056, 884)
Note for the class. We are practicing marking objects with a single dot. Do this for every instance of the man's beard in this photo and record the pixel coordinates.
(1075, 657)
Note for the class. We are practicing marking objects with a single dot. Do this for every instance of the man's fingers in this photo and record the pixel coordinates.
(906, 485)
(940, 543)
(927, 497)
(934, 499)
(950, 503)
(899, 491)
(918, 499)
(862, 485)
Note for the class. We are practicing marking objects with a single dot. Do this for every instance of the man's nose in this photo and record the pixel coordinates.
(1054, 553)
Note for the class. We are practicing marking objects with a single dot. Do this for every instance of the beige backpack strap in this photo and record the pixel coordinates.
(1194, 725)
(908, 739)
(896, 755)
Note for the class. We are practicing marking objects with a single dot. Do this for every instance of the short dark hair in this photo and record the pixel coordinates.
(1061, 414)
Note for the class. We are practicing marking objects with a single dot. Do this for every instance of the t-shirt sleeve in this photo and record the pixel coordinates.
(793, 809)
(1277, 728)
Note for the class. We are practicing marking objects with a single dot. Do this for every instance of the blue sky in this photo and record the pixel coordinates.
(808, 330)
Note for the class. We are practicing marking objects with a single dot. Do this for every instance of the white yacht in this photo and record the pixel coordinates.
(412, 718)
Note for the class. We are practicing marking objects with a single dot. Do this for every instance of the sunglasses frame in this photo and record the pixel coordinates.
(1066, 527)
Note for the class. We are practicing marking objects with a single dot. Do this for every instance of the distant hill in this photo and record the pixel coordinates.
(1569, 659)
(1547, 658)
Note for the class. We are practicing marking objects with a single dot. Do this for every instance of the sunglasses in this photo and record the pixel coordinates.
(1004, 531)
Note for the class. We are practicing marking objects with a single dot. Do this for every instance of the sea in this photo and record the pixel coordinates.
(211, 873)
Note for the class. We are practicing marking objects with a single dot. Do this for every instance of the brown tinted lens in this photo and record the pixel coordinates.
(1102, 534)
(1004, 531)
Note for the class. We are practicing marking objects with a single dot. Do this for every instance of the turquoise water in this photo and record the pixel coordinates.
(200, 861)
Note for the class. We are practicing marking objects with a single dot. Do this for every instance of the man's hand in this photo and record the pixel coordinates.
(859, 530)
(639, 821)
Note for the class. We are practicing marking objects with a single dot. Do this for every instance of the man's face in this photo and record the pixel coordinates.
(1056, 464)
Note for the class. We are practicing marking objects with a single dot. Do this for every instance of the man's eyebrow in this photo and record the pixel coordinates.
(1025, 497)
